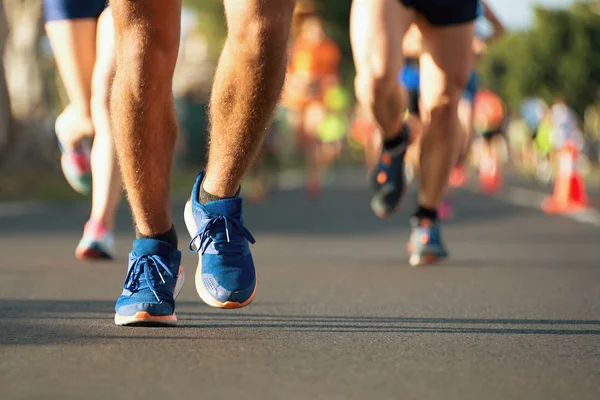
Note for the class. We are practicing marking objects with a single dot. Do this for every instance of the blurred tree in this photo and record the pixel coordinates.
(558, 57)
(23, 71)
(5, 115)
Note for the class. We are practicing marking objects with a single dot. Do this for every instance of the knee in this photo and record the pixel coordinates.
(443, 107)
(443, 111)
(147, 53)
(371, 84)
(261, 31)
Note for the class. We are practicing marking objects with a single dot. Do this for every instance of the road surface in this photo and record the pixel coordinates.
(339, 314)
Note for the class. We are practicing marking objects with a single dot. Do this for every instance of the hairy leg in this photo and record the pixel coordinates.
(143, 115)
(246, 89)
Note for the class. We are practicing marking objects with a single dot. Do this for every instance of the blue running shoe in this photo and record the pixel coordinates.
(154, 279)
(425, 245)
(225, 277)
(388, 179)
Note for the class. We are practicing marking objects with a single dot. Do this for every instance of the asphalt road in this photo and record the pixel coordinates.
(339, 314)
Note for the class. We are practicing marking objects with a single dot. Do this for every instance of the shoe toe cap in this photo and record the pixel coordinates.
(154, 309)
(223, 295)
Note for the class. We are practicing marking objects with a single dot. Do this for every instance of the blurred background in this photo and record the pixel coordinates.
(550, 52)
(513, 314)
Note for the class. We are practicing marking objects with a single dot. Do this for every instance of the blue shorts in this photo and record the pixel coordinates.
(59, 10)
(410, 77)
(471, 88)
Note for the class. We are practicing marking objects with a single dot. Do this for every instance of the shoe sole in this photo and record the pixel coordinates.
(143, 318)
(206, 297)
(388, 214)
(89, 254)
(417, 260)
(394, 210)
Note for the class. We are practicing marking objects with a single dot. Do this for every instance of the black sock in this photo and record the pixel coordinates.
(206, 197)
(399, 140)
(426, 213)
(168, 237)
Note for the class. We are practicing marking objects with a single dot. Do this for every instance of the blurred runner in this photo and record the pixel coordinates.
(377, 31)
(533, 111)
(564, 124)
(82, 39)
(363, 134)
(467, 104)
(313, 69)
(410, 77)
(543, 149)
(565, 127)
(489, 119)
(519, 139)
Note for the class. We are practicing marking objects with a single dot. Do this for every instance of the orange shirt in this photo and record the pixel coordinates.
(310, 64)
(488, 110)
(315, 59)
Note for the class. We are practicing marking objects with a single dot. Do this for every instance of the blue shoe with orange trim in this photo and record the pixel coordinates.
(225, 277)
(75, 164)
(388, 180)
(425, 245)
(154, 279)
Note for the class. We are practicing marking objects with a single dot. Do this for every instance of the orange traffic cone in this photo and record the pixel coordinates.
(490, 179)
(569, 190)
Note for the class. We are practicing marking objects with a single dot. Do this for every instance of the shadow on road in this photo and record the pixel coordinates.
(31, 322)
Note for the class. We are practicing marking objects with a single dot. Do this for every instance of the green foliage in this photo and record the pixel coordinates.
(211, 22)
(559, 56)
(337, 15)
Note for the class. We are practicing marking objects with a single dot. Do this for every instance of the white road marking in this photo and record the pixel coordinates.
(533, 199)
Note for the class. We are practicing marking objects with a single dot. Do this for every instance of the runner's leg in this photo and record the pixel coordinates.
(143, 115)
(247, 87)
(106, 192)
(445, 66)
(376, 30)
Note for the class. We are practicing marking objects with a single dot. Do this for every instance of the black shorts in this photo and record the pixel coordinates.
(413, 102)
(445, 12)
(59, 10)
(491, 134)
(534, 133)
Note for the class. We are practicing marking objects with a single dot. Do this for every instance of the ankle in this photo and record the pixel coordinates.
(207, 197)
(399, 141)
(168, 237)
(426, 213)
(101, 222)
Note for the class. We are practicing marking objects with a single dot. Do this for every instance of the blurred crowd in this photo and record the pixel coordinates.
(318, 123)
